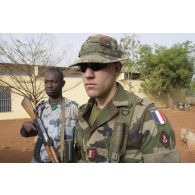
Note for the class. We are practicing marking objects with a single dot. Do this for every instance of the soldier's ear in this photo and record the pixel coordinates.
(118, 67)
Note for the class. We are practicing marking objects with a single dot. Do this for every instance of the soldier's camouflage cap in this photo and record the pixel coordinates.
(99, 49)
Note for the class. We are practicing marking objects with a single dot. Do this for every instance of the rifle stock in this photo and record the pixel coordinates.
(52, 154)
(51, 151)
(28, 107)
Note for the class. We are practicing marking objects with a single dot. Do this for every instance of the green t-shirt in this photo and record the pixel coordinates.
(94, 114)
(53, 106)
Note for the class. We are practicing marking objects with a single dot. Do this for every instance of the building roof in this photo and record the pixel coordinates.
(43, 67)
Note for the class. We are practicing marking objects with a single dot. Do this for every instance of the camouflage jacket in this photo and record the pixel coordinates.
(51, 121)
(128, 129)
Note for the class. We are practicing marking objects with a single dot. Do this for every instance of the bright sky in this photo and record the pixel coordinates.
(73, 41)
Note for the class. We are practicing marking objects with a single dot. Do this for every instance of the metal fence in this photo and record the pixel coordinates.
(5, 99)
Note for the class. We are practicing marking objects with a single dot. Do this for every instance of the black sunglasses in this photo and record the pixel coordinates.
(92, 66)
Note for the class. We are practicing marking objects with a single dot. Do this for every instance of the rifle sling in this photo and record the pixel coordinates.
(62, 130)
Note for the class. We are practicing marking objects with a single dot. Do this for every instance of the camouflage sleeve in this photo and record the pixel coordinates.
(75, 110)
(158, 137)
(151, 137)
(78, 137)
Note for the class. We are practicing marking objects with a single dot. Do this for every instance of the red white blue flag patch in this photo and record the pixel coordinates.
(158, 117)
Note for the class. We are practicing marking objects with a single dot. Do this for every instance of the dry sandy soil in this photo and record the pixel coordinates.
(13, 147)
(183, 120)
(16, 149)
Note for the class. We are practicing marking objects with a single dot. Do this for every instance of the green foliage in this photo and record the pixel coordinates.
(191, 91)
(166, 69)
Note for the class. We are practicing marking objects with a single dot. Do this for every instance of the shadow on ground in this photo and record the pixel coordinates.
(6, 156)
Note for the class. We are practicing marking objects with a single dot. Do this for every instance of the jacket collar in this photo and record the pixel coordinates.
(120, 99)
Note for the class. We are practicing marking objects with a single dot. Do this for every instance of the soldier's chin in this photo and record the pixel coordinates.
(92, 94)
(52, 94)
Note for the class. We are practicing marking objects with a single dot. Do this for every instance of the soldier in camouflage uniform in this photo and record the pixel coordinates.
(50, 113)
(115, 125)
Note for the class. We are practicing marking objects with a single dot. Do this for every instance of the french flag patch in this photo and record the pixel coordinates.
(158, 117)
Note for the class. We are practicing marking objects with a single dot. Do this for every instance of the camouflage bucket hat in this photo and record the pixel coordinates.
(99, 49)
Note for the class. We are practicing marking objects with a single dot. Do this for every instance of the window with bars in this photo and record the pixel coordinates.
(5, 99)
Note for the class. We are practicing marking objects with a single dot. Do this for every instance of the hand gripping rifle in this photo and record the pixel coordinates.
(47, 140)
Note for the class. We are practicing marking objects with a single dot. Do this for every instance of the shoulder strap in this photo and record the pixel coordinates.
(120, 133)
(62, 119)
(128, 121)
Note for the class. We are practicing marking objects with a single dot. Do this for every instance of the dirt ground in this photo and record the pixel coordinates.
(16, 149)
(182, 120)
(13, 147)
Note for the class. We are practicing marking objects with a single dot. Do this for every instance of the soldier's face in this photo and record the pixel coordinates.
(101, 83)
(53, 85)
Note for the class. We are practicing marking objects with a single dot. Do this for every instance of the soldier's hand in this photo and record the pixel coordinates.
(28, 126)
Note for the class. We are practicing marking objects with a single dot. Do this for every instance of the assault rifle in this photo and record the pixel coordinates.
(47, 140)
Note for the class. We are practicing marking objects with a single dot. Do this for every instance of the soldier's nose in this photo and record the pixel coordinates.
(89, 72)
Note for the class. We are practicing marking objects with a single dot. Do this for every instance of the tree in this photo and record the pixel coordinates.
(131, 47)
(166, 69)
(20, 60)
(191, 91)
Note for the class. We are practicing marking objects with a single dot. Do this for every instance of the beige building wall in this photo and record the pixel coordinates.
(17, 110)
(134, 86)
(165, 100)
(73, 89)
